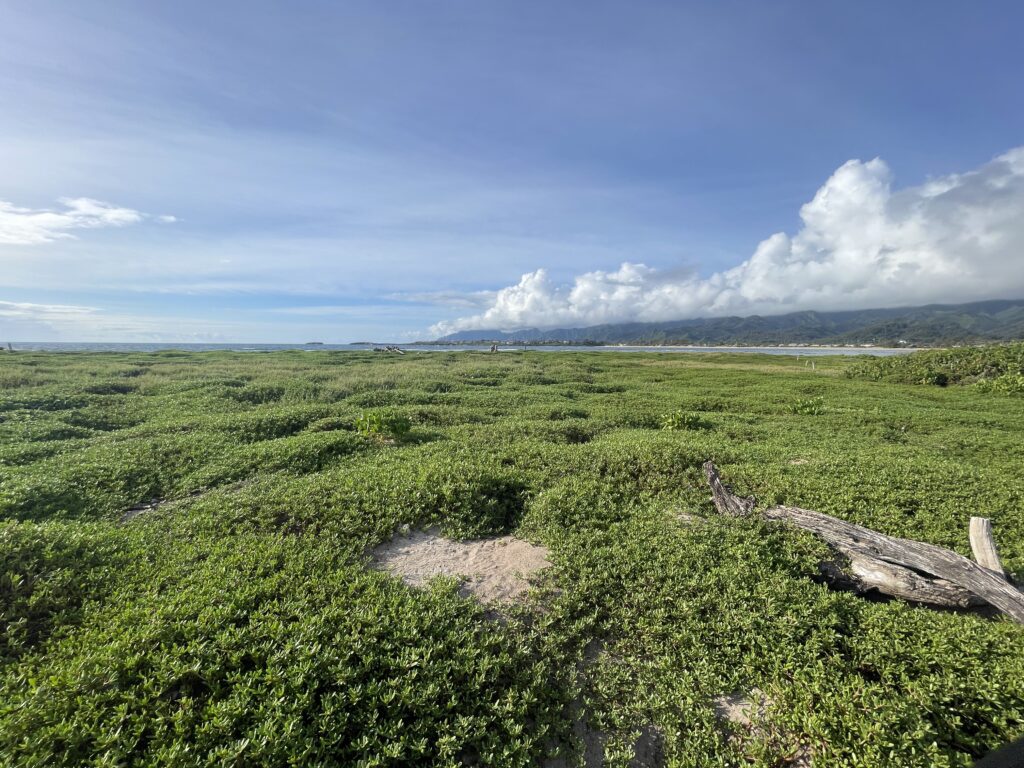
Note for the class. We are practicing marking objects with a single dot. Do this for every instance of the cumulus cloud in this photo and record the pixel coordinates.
(862, 244)
(29, 226)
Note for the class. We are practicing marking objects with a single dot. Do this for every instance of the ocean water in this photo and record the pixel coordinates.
(54, 346)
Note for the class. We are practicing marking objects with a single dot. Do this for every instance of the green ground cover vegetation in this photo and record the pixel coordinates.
(235, 621)
(996, 368)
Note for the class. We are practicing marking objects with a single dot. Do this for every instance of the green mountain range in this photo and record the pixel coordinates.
(931, 325)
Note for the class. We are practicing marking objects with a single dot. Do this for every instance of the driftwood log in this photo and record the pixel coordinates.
(910, 570)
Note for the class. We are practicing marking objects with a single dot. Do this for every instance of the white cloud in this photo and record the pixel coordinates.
(27, 322)
(28, 226)
(457, 299)
(954, 238)
(323, 310)
(44, 312)
(23, 320)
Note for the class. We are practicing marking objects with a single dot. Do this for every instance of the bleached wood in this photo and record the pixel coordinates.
(897, 581)
(911, 570)
(983, 545)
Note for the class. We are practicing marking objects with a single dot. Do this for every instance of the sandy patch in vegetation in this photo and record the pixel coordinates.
(140, 509)
(746, 712)
(492, 570)
(648, 749)
(739, 709)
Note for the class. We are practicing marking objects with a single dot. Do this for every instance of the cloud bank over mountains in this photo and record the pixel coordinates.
(862, 244)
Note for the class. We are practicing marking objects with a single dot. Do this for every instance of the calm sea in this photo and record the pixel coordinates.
(46, 346)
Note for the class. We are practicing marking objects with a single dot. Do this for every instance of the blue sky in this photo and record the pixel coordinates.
(391, 170)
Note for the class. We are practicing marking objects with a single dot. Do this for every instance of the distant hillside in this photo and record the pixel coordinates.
(932, 325)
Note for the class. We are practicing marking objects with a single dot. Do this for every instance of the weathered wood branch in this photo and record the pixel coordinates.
(853, 571)
(984, 546)
(726, 502)
(869, 573)
(911, 570)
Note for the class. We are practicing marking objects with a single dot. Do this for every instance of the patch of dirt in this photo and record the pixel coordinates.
(648, 749)
(591, 741)
(493, 570)
(748, 712)
(152, 505)
(140, 509)
(739, 709)
(798, 462)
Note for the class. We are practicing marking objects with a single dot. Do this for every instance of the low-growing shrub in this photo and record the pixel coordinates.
(710, 404)
(239, 620)
(347, 668)
(559, 414)
(267, 423)
(47, 573)
(111, 388)
(941, 367)
(299, 454)
(678, 420)
(384, 423)
(103, 480)
(895, 432)
(258, 394)
(476, 502)
(103, 418)
(1007, 384)
(808, 406)
(330, 424)
(577, 503)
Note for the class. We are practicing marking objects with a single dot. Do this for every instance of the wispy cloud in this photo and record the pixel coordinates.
(456, 299)
(34, 226)
(46, 313)
(137, 321)
(342, 310)
(24, 321)
(955, 238)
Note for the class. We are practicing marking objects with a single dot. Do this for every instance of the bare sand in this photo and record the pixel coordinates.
(492, 570)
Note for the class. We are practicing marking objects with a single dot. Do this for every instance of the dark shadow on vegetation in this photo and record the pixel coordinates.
(559, 414)
(102, 419)
(50, 401)
(111, 388)
(258, 394)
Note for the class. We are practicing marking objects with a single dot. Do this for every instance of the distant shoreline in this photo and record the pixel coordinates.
(712, 347)
(426, 347)
(825, 347)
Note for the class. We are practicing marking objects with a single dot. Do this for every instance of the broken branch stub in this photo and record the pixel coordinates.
(983, 545)
(911, 570)
(725, 501)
